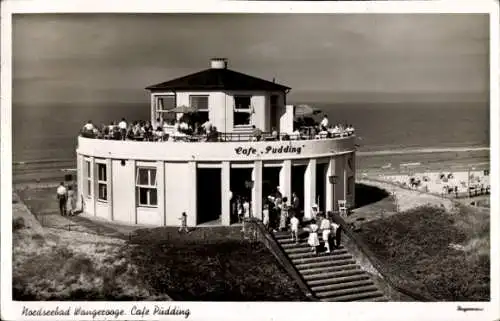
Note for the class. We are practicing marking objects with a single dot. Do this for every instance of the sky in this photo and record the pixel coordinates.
(111, 58)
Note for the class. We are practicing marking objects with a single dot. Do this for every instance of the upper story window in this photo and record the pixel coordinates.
(163, 105)
(242, 110)
(102, 182)
(146, 190)
(200, 102)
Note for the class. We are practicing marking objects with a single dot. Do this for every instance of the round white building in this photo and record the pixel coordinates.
(153, 183)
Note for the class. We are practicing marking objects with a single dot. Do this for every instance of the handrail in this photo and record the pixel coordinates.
(243, 136)
(273, 246)
(376, 263)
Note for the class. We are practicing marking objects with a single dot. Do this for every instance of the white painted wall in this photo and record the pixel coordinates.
(149, 216)
(179, 188)
(204, 151)
(123, 191)
(101, 210)
(339, 171)
(286, 119)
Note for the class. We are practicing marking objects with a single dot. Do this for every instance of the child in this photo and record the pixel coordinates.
(239, 206)
(265, 215)
(246, 208)
(325, 227)
(294, 226)
(313, 240)
(183, 220)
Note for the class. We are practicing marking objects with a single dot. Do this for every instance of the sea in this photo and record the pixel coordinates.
(387, 133)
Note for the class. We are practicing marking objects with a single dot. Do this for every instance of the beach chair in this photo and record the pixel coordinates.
(342, 208)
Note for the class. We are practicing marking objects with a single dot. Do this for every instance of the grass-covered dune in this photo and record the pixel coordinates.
(435, 252)
(54, 264)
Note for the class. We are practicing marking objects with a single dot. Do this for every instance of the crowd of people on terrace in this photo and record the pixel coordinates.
(144, 130)
(186, 129)
(280, 213)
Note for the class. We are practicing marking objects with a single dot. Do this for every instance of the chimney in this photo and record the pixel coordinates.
(218, 63)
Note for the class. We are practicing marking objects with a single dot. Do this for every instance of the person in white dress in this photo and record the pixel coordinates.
(313, 239)
(324, 122)
(246, 208)
(265, 215)
(294, 227)
(325, 227)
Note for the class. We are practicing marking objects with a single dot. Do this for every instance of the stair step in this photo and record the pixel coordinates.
(288, 236)
(301, 258)
(328, 268)
(291, 252)
(355, 297)
(327, 263)
(331, 278)
(375, 299)
(327, 290)
(297, 249)
(354, 290)
(342, 279)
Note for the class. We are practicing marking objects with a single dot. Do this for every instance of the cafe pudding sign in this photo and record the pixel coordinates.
(283, 149)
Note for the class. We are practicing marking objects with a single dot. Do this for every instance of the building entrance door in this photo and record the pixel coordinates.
(209, 195)
(240, 186)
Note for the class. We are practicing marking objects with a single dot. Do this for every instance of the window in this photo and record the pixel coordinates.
(163, 105)
(350, 185)
(242, 110)
(145, 183)
(201, 104)
(102, 183)
(88, 178)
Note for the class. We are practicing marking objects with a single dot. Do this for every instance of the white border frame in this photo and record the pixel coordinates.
(11, 310)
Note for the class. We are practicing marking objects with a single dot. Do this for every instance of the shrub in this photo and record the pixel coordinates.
(414, 246)
(18, 223)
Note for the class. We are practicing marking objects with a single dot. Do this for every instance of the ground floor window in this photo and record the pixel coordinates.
(102, 182)
(88, 178)
(146, 190)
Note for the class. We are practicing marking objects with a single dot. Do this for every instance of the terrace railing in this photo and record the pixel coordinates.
(225, 137)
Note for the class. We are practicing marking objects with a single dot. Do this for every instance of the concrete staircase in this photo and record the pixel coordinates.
(331, 277)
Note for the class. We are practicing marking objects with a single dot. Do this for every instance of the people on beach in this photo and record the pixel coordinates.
(183, 227)
(71, 201)
(325, 227)
(294, 227)
(313, 239)
(61, 197)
